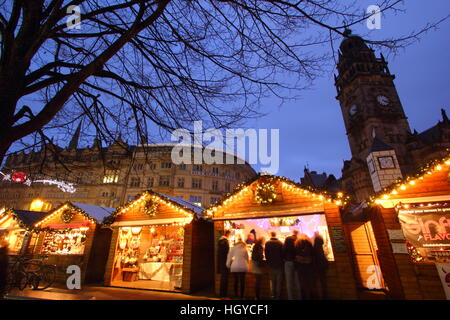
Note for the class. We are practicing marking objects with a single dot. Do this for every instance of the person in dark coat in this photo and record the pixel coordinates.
(292, 281)
(223, 248)
(320, 266)
(258, 265)
(304, 257)
(274, 258)
(3, 267)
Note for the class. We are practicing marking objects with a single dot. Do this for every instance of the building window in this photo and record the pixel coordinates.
(135, 182)
(104, 194)
(166, 165)
(214, 200)
(196, 200)
(138, 166)
(215, 171)
(238, 175)
(152, 166)
(179, 197)
(130, 197)
(164, 181)
(215, 185)
(197, 167)
(182, 166)
(180, 182)
(227, 187)
(196, 183)
(150, 182)
(111, 176)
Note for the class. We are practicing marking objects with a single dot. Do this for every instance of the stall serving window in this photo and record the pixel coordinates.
(14, 238)
(68, 243)
(149, 257)
(251, 229)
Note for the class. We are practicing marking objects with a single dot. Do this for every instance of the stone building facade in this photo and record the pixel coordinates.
(371, 108)
(110, 176)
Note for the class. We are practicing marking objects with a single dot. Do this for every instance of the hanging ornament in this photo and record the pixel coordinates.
(265, 193)
(150, 207)
(19, 177)
(67, 216)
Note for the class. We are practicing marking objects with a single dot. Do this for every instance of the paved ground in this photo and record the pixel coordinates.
(104, 293)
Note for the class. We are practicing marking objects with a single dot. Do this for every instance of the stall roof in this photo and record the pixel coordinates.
(338, 197)
(96, 212)
(193, 207)
(27, 218)
(387, 196)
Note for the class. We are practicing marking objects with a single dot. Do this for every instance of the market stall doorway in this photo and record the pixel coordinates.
(364, 251)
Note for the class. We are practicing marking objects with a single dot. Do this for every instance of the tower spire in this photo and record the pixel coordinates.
(75, 138)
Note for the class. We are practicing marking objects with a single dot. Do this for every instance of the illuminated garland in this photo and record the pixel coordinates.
(414, 253)
(67, 216)
(338, 198)
(145, 196)
(402, 184)
(150, 207)
(281, 222)
(265, 193)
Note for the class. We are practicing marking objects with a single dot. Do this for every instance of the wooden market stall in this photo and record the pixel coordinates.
(271, 203)
(160, 242)
(411, 224)
(71, 234)
(16, 227)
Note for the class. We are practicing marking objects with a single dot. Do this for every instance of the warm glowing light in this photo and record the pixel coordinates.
(403, 187)
(412, 182)
(439, 167)
(340, 194)
(385, 197)
(378, 201)
(394, 191)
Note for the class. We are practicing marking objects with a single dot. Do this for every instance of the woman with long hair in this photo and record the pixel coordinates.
(304, 257)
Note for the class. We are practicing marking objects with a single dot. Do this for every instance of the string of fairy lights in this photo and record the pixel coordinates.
(142, 200)
(265, 192)
(403, 184)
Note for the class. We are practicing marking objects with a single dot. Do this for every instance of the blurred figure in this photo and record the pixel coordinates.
(222, 253)
(274, 258)
(237, 262)
(289, 267)
(258, 265)
(304, 259)
(3, 267)
(320, 266)
(250, 238)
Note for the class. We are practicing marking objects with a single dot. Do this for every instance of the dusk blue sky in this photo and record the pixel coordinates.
(312, 129)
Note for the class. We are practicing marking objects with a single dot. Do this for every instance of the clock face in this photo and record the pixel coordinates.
(353, 110)
(383, 100)
(386, 162)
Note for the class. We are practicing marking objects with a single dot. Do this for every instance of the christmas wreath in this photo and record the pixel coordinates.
(150, 207)
(265, 193)
(66, 216)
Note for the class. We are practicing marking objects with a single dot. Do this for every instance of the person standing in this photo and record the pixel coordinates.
(304, 259)
(320, 265)
(274, 258)
(3, 267)
(237, 262)
(258, 265)
(222, 269)
(289, 267)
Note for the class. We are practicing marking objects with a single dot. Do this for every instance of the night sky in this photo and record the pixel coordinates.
(312, 129)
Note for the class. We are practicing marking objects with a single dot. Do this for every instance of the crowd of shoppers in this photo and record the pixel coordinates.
(301, 261)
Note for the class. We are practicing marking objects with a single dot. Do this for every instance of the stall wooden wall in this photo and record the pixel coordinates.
(409, 280)
(340, 277)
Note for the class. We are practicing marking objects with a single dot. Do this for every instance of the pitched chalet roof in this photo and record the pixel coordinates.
(96, 212)
(28, 218)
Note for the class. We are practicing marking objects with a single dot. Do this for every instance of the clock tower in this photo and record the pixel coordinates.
(370, 107)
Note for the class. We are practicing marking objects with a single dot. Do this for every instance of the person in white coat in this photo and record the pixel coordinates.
(237, 262)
